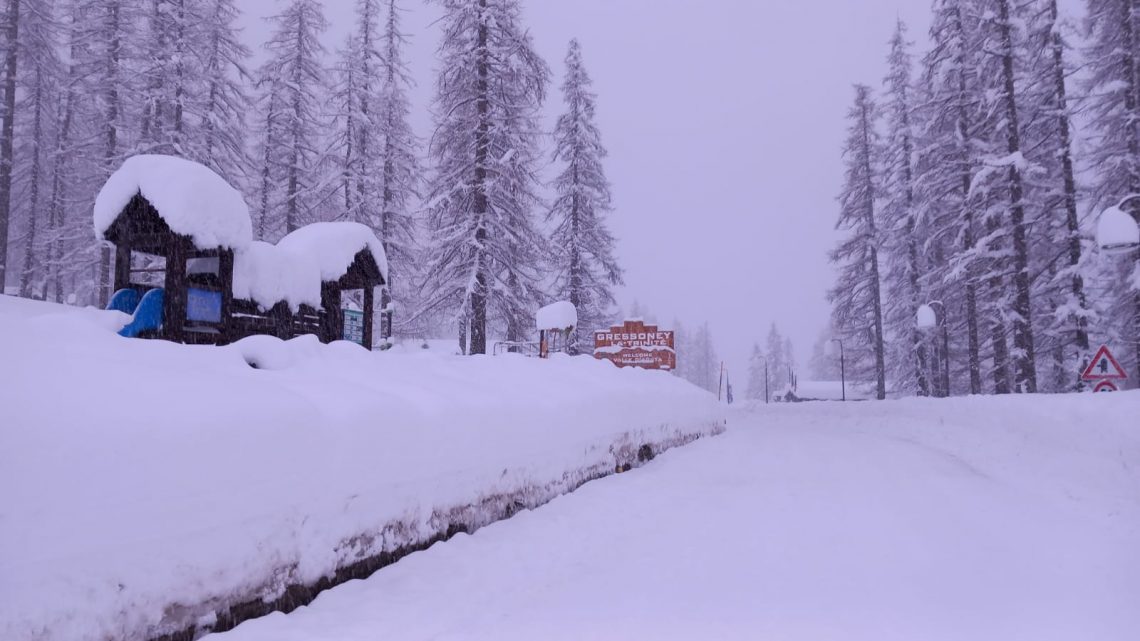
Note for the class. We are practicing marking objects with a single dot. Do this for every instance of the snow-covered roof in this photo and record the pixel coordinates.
(559, 315)
(191, 198)
(267, 274)
(334, 246)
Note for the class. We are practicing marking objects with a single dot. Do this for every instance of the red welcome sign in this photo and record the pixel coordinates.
(635, 344)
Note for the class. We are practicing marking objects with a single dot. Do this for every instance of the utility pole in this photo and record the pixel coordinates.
(842, 367)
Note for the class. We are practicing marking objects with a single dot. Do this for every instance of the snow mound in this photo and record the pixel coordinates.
(191, 198)
(268, 274)
(559, 315)
(177, 481)
(982, 519)
(334, 245)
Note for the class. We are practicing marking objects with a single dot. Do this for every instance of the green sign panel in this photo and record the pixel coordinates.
(353, 326)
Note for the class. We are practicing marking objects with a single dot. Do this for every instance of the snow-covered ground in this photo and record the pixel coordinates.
(145, 486)
(1004, 519)
(834, 390)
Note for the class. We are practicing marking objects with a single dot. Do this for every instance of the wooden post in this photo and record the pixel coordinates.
(226, 281)
(123, 263)
(331, 324)
(283, 320)
(174, 298)
(368, 302)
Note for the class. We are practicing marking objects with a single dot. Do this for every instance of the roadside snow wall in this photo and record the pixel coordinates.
(151, 489)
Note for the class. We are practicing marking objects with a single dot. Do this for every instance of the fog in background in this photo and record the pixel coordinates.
(723, 119)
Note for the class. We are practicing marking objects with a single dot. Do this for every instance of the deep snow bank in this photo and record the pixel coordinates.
(1009, 518)
(145, 486)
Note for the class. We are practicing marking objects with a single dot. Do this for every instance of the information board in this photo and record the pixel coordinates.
(353, 326)
(203, 305)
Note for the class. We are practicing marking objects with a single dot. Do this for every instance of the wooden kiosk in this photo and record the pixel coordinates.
(183, 221)
(197, 282)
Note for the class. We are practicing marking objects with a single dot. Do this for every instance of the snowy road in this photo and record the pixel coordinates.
(983, 519)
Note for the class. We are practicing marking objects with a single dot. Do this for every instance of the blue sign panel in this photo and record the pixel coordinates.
(353, 326)
(203, 305)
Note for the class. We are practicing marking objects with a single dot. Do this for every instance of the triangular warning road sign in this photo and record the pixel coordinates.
(1104, 366)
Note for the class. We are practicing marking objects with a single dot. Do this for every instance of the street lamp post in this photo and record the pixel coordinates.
(765, 380)
(928, 318)
(842, 367)
(1118, 232)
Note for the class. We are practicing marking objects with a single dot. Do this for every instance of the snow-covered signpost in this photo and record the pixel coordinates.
(553, 321)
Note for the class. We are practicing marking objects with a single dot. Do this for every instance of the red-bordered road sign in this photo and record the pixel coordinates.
(1105, 386)
(1104, 367)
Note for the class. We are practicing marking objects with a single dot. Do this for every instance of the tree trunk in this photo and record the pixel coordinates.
(60, 165)
(973, 345)
(998, 341)
(7, 134)
(576, 298)
(266, 166)
(482, 108)
(112, 138)
(1025, 360)
(34, 197)
(913, 270)
(1072, 226)
(1128, 63)
(876, 296)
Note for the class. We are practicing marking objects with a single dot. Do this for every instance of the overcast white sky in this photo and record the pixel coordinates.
(723, 119)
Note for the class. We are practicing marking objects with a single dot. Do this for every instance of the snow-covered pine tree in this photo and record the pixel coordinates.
(681, 347)
(295, 79)
(1062, 311)
(270, 151)
(221, 108)
(944, 176)
(856, 298)
(70, 250)
(902, 241)
(163, 77)
(110, 33)
(585, 268)
(483, 260)
(999, 188)
(777, 363)
(823, 366)
(193, 100)
(1114, 149)
(356, 94)
(11, 29)
(706, 366)
(758, 374)
(39, 76)
(349, 126)
(399, 176)
(790, 360)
